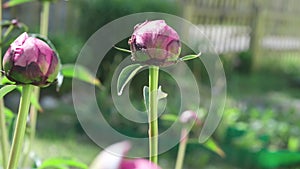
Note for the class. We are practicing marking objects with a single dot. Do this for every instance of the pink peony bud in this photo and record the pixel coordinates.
(31, 61)
(155, 43)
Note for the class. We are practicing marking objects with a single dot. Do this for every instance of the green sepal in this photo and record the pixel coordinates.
(189, 57)
(160, 95)
(126, 75)
(122, 49)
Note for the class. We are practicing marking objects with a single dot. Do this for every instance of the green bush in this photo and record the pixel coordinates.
(96, 13)
(68, 50)
(244, 62)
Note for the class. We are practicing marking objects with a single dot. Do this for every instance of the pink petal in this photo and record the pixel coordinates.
(20, 40)
(111, 157)
(26, 53)
(44, 49)
(138, 164)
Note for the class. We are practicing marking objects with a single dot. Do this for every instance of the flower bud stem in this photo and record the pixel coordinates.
(44, 21)
(3, 135)
(181, 150)
(7, 32)
(19, 133)
(44, 25)
(153, 122)
(3, 131)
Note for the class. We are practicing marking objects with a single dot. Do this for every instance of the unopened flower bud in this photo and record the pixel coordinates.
(31, 61)
(15, 22)
(155, 43)
(189, 116)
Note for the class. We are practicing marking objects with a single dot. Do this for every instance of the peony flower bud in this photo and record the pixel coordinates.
(155, 43)
(31, 61)
(189, 116)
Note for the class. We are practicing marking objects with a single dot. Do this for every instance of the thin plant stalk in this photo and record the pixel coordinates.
(20, 128)
(153, 122)
(44, 24)
(7, 32)
(4, 134)
(44, 21)
(3, 130)
(181, 149)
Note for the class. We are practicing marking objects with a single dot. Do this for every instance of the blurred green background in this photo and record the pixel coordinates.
(258, 43)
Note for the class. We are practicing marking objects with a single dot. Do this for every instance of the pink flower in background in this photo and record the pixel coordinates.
(31, 61)
(189, 116)
(138, 164)
(113, 158)
(155, 43)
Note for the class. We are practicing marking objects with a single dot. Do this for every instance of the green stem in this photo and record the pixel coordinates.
(7, 32)
(153, 122)
(3, 130)
(44, 25)
(44, 21)
(4, 137)
(181, 150)
(32, 129)
(19, 133)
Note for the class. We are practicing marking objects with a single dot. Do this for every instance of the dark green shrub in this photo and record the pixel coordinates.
(228, 63)
(96, 13)
(69, 50)
(244, 62)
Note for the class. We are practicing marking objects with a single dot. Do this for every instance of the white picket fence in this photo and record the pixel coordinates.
(228, 39)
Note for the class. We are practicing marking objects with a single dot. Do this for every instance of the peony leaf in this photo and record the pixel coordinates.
(10, 119)
(160, 95)
(189, 57)
(12, 3)
(79, 72)
(146, 97)
(61, 163)
(169, 117)
(34, 102)
(126, 75)
(8, 114)
(122, 49)
(4, 90)
(211, 145)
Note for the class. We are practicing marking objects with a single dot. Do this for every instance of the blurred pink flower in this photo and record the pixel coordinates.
(189, 116)
(138, 163)
(113, 158)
